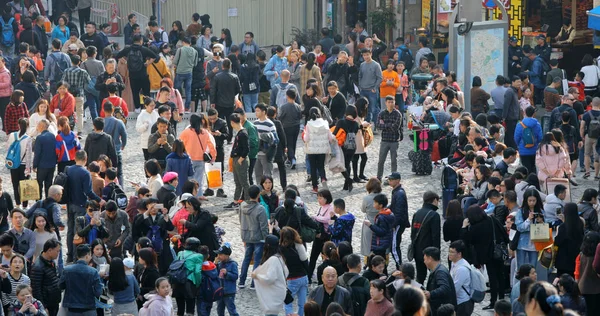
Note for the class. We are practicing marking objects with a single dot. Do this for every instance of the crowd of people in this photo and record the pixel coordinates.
(133, 254)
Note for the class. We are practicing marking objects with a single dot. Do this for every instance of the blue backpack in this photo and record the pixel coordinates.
(8, 34)
(13, 157)
(211, 289)
(528, 136)
(155, 237)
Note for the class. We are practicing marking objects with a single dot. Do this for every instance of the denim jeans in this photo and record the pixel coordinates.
(229, 302)
(198, 167)
(93, 103)
(525, 256)
(252, 250)
(250, 101)
(186, 80)
(203, 307)
(120, 166)
(373, 104)
(299, 289)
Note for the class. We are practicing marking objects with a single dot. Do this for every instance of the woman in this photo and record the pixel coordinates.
(270, 278)
(23, 170)
(589, 281)
(479, 98)
(24, 65)
(317, 138)
(362, 106)
(295, 45)
(543, 299)
(310, 100)
(198, 141)
(311, 308)
(43, 231)
(147, 274)
(249, 78)
(454, 221)
(592, 74)
(194, 28)
(570, 297)
(525, 271)
(185, 293)
(482, 233)
(323, 218)
(67, 144)
(403, 88)
(296, 260)
(530, 213)
(176, 33)
(30, 89)
(410, 301)
(518, 305)
(15, 277)
(110, 76)
(226, 40)
(351, 128)
(124, 288)
(568, 240)
(551, 160)
(175, 97)
(320, 56)
(154, 182)
(373, 187)
(310, 71)
(379, 304)
(450, 98)
(405, 276)
(156, 224)
(159, 303)
(478, 187)
(41, 111)
(352, 45)
(63, 103)
(295, 65)
(268, 195)
(451, 77)
(61, 31)
(331, 258)
(90, 226)
(200, 225)
(143, 125)
(287, 215)
(15, 110)
(531, 182)
(179, 162)
(204, 40)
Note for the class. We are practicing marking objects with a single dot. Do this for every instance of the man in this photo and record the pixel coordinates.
(536, 77)
(160, 143)
(338, 39)
(50, 208)
(359, 29)
(440, 286)
(554, 204)
(568, 100)
(404, 53)
(511, 111)
(253, 142)
(80, 190)
(509, 157)
(220, 132)
(375, 50)
(554, 73)
(95, 69)
(326, 42)
(223, 89)
(551, 95)
(56, 63)
(29, 35)
(542, 48)
(566, 36)
(215, 65)
(39, 28)
(528, 146)
(100, 143)
(369, 80)
(510, 201)
(91, 38)
(425, 224)
(525, 61)
(24, 237)
(267, 137)
(44, 157)
(82, 284)
(163, 111)
(515, 55)
(116, 222)
(290, 115)
(339, 71)
(77, 79)
(118, 132)
(423, 51)
(185, 60)
(330, 292)
(399, 206)
(502, 308)
(276, 65)
(590, 133)
(128, 29)
(45, 279)
(137, 61)
(254, 227)
(249, 45)
(199, 78)
(587, 210)
(389, 121)
(360, 285)
(497, 95)
(461, 275)
(278, 91)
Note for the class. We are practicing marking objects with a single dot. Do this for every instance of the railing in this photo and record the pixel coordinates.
(103, 12)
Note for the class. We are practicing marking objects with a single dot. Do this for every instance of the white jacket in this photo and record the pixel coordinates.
(270, 282)
(26, 148)
(317, 137)
(144, 124)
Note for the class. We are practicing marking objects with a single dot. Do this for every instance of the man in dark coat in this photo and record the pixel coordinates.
(99, 142)
(45, 279)
(425, 231)
(440, 286)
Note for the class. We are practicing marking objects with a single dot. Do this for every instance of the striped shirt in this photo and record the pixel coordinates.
(266, 126)
(8, 298)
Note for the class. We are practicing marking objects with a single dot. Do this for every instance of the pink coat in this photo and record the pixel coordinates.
(5, 83)
(551, 164)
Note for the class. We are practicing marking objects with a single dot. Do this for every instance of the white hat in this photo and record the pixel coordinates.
(129, 263)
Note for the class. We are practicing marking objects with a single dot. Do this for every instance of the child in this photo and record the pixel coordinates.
(184, 292)
(525, 102)
(219, 231)
(383, 226)
(455, 114)
(389, 83)
(494, 120)
(26, 304)
(159, 303)
(341, 229)
(228, 272)
(402, 91)
(110, 178)
(210, 274)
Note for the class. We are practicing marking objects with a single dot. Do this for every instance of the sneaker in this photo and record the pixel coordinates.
(293, 166)
(241, 286)
(362, 176)
(209, 192)
(137, 111)
(308, 179)
(252, 286)
(573, 182)
(386, 183)
(288, 164)
(358, 180)
(231, 205)
(221, 193)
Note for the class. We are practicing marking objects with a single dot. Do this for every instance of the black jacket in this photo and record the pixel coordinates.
(282, 144)
(291, 220)
(146, 53)
(45, 282)
(223, 89)
(441, 288)
(430, 230)
(44, 40)
(166, 195)
(31, 37)
(360, 291)
(93, 40)
(479, 235)
(337, 106)
(198, 73)
(340, 73)
(6, 205)
(30, 92)
(101, 84)
(568, 249)
(97, 144)
(164, 257)
(147, 280)
(241, 147)
(221, 126)
(202, 227)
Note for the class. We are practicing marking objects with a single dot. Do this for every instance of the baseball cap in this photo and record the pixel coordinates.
(394, 176)
(73, 47)
(272, 240)
(513, 39)
(169, 176)
(224, 250)
(129, 263)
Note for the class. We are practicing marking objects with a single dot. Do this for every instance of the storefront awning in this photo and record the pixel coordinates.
(594, 18)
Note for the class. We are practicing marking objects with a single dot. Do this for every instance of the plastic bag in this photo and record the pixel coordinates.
(213, 173)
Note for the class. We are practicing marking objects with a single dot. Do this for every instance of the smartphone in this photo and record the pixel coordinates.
(97, 216)
(28, 299)
(159, 206)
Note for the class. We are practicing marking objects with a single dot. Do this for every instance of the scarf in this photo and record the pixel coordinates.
(93, 234)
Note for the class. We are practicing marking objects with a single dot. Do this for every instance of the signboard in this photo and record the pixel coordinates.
(426, 11)
(445, 6)
(490, 4)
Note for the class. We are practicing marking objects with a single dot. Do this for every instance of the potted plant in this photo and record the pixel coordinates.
(383, 21)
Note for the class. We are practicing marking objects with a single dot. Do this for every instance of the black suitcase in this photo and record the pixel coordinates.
(421, 163)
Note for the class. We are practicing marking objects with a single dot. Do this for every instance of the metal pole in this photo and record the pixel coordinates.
(431, 16)
(403, 18)
(305, 13)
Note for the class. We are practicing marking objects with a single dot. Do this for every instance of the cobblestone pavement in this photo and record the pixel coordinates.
(246, 299)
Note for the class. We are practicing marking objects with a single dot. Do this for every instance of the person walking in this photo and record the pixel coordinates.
(461, 275)
(528, 136)
(290, 116)
(296, 260)
(184, 61)
(270, 278)
(45, 278)
(398, 206)
(44, 156)
(67, 144)
(440, 285)
(24, 169)
(200, 147)
(77, 79)
(511, 111)
(224, 88)
(425, 231)
(81, 283)
(317, 138)
(369, 80)
(389, 121)
(250, 80)
(254, 229)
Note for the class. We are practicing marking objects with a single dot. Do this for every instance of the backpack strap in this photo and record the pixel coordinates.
(353, 279)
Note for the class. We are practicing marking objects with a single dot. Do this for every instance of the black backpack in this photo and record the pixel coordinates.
(407, 57)
(118, 196)
(62, 179)
(430, 57)
(360, 296)
(569, 135)
(135, 60)
(60, 65)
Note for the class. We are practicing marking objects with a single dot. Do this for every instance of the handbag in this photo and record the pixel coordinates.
(547, 256)
(539, 232)
(410, 255)
(289, 298)
(500, 251)
(207, 157)
(29, 190)
(307, 234)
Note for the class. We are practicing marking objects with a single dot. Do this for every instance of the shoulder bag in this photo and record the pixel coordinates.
(206, 156)
(306, 233)
(500, 250)
(410, 255)
(289, 298)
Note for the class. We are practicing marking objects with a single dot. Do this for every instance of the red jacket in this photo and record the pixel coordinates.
(117, 101)
(67, 107)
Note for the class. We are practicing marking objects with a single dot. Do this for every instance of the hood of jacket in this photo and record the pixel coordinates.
(152, 298)
(424, 50)
(250, 207)
(95, 136)
(553, 199)
(385, 211)
(208, 266)
(318, 123)
(530, 122)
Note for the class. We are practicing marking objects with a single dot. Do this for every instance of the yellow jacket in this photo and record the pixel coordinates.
(155, 76)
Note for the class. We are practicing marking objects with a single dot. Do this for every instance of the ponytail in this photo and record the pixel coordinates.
(289, 205)
(331, 251)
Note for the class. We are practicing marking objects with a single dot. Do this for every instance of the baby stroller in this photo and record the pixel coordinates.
(420, 156)
(449, 186)
(419, 84)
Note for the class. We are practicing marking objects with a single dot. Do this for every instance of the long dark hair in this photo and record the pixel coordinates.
(362, 105)
(475, 214)
(454, 210)
(331, 251)
(549, 140)
(117, 281)
(251, 60)
(196, 123)
(571, 287)
(149, 257)
(589, 244)
(540, 292)
(525, 206)
(310, 60)
(47, 228)
(228, 41)
(573, 223)
(178, 147)
(269, 251)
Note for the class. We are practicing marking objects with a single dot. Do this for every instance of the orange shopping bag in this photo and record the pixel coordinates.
(213, 173)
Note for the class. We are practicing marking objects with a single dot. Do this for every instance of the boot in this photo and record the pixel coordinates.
(350, 184)
(209, 192)
(221, 193)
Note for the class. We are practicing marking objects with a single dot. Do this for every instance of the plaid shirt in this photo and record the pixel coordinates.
(12, 116)
(77, 79)
(389, 124)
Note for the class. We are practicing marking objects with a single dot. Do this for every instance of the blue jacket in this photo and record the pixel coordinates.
(230, 279)
(248, 76)
(130, 293)
(44, 153)
(182, 165)
(63, 37)
(537, 73)
(399, 207)
(341, 230)
(80, 185)
(77, 280)
(275, 65)
(117, 130)
(537, 132)
(383, 230)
